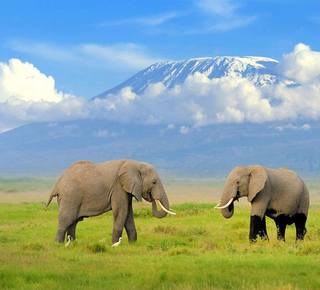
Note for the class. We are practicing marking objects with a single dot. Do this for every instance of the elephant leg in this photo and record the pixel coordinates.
(255, 224)
(300, 223)
(66, 220)
(281, 224)
(129, 224)
(71, 231)
(263, 229)
(119, 219)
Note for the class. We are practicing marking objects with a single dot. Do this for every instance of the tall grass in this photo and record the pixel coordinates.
(196, 249)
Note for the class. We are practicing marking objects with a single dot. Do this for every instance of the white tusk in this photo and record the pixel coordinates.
(224, 206)
(160, 204)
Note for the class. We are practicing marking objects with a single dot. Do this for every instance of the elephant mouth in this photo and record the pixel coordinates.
(158, 202)
(163, 208)
(231, 206)
(237, 196)
(148, 196)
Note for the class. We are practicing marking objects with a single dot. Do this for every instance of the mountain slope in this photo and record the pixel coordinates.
(49, 148)
(260, 70)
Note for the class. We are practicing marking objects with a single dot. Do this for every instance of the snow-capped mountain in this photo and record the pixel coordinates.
(210, 149)
(261, 70)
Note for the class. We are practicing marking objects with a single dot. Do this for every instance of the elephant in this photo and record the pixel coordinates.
(89, 189)
(276, 193)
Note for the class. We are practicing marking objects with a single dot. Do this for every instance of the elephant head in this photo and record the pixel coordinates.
(142, 181)
(242, 181)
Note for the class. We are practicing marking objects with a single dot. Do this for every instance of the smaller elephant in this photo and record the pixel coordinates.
(88, 189)
(277, 193)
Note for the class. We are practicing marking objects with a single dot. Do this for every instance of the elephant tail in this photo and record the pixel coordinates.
(54, 192)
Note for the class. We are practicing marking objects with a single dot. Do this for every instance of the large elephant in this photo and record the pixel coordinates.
(277, 193)
(88, 189)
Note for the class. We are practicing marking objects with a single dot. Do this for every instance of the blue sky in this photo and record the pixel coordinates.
(56, 55)
(90, 46)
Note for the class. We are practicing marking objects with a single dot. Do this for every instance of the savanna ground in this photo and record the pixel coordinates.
(196, 249)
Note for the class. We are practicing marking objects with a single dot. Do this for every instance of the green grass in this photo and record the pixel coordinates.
(196, 249)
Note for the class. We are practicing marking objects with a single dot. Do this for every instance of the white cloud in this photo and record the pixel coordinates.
(26, 82)
(16, 111)
(302, 65)
(100, 134)
(126, 95)
(304, 127)
(150, 21)
(124, 56)
(185, 130)
(221, 15)
(220, 7)
(197, 102)
(45, 50)
(154, 90)
(27, 95)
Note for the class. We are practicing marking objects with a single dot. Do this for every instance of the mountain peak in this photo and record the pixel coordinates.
(260, 70)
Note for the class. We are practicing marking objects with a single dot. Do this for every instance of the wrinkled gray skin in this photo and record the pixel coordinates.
(277, 193)
(88, 189)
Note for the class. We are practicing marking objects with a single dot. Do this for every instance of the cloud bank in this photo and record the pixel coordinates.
(27, 95)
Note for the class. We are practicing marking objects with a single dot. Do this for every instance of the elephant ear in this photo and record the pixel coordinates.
(258, 178)
(130, 179)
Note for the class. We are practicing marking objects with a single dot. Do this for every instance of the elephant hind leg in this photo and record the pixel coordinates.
(67, 221)
(281, 223)
(263, 229)
(71, 231)
(300, 223)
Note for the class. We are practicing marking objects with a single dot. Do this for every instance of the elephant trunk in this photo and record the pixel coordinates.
(226, 204)
(164, 202)
(228, 211)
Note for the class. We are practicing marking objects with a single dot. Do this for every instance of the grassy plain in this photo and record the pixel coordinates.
(195, 249)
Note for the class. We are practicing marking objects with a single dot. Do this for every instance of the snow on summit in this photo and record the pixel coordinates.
(260, 70)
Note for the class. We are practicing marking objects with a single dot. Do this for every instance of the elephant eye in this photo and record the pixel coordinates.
(154, 182)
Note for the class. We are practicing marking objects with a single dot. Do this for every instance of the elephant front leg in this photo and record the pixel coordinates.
(255, 225)
(130, 226)
(120, 213)
(258, 220)
(118, 224)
